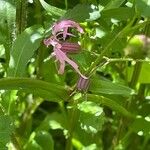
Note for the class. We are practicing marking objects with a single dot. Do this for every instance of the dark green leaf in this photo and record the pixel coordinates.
(47, 90)
(51, 9)
(99, 86)
(114, 4)
(121, 13)
(82, 12)
(44, 139)
(53, 121)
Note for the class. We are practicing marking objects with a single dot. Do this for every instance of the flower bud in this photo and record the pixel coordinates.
(83, 84)
(69, 47)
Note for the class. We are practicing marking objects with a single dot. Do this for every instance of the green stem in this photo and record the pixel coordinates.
(66, 4)
(135, 75)
(21, 15)
(73, 120)
(126, 29)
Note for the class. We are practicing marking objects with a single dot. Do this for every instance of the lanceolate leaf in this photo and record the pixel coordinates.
(99, 86)
(121, 13)
(111, 104)
(51, 9)
(46, 90)
(23, 49)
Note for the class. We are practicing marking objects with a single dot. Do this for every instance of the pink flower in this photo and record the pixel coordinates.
(62, 28)
(61, 48)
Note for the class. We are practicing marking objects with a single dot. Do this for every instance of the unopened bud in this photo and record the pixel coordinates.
(83, 84)
(69, 47)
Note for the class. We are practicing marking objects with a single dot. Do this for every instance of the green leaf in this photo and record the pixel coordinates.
(111, 104)
(23, 50)
(144, 76)
(114, 4)
(44, 139)
(50, 91)
(141, 126)
(90, 147)
(99, 86)
(53, 121)
(121, 13)
(51, 9)
(49, 73)
(5, 131)
(143, 6)
(33, 145)
(7, 15)
(89, 13)
(91, 116)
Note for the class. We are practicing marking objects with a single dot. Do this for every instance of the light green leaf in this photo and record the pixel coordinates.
(51, 9)
(23, 50)
(143, 6)
(82, 12)
(144, 76)
(99, 86)
(91, 116)
(90, 147)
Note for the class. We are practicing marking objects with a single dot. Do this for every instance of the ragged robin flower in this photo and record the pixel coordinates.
(61, 47)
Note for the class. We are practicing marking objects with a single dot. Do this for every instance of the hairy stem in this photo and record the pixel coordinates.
(21, 15)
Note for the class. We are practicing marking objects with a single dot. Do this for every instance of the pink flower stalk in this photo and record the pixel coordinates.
(61, 48)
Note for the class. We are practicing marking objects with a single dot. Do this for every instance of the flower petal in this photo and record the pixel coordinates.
(63, 26)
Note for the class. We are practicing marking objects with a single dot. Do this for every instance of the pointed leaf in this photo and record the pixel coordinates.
(50, 91)
(51, 9)
(23, 50)
(111, 104)
(99, 86)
